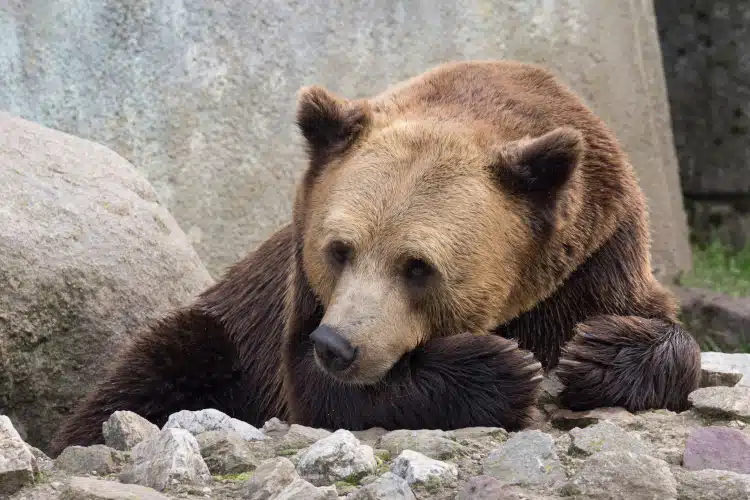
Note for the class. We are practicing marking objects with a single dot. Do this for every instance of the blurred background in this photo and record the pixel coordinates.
(199, 97)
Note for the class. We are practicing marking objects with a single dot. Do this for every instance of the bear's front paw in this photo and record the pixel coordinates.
(631, 362)
(494, 382)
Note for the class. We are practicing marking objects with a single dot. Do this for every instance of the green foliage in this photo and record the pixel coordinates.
(721, 269)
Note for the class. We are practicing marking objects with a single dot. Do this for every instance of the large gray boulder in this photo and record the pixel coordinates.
(89, 257)
(201, 95)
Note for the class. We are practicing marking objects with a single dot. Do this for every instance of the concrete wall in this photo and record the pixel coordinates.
(200, 95)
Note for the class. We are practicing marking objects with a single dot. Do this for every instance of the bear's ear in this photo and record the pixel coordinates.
(541, 166)
(328, 123)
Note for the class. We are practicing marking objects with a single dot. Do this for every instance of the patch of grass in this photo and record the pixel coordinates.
(718, 268)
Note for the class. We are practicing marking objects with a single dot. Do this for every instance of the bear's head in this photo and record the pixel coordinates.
(411, 228)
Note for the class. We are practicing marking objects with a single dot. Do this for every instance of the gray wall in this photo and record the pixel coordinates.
(200, 95)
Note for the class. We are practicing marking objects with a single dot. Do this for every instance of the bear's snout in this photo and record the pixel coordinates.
(334, 352)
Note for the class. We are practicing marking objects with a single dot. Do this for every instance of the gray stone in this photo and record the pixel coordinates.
(605, 436)
(275, 427)
(718, 321)
(431, 443)
(713, 485)
(269, 479)
(172, 456)
(566, 419)
(299, 489)
(225, 452)
(125, 429)
(721, 368)
(336, 457)
(370, 436)
(417, 468)
(88, 257)
(470, 433)
(84, 460)
(527, 458)
(489, 488)
(198, 422)
(719, 448)
(85, 488)
(201, 94)
(300, 436)
(16, 460)
(723, 402)
(614, 475)
(389, 486)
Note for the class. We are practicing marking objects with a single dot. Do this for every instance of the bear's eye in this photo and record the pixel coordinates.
(417, 271)
(339, 253)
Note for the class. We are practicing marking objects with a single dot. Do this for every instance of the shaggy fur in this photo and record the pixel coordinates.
(544, 243)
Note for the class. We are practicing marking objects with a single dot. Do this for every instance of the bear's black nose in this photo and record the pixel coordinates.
(334, 351)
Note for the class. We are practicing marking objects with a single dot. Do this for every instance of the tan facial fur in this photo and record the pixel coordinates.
(411, 190)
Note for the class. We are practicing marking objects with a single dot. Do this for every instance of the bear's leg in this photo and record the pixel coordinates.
(185, 362)
(629, 361)
(451, 382)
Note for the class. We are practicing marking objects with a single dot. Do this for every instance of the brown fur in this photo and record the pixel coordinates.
(534, 228)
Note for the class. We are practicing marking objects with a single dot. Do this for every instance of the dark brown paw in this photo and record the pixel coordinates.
(628, 361)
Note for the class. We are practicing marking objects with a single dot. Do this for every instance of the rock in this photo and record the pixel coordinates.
(723, 402)
(527, 458)
(334, 458)
(489, 488)
(275, 427)
(604, 436)
(269, 479)
(567, 419)
(300, 436)
(370, 436)
(550, 390)
(721, 368)
(719, 448)
(713, 485)
(622, 474)
(88, 257)
(84, 488)
(716, 320)
(431, 443)
(17, 463)
(470, 433)
(225, 452)
(84, 460)
(419, 469)
(173, 455)
(199, 97)
(389, 486)
(299, 489)
(125, 429)
(198, 422)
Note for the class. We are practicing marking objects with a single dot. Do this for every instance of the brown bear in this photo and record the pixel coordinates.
(451, 238)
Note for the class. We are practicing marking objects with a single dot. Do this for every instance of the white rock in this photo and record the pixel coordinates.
(125, 429)
(269, 479)
(719, 363)
(417, 468)
(172, 456)
(85, 488)
(336, 457)
(299, 489)
(389, 486)
(198, 422)
(17, 463)
(300, 436)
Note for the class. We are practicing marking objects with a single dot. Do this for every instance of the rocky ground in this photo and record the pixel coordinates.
(608, 453)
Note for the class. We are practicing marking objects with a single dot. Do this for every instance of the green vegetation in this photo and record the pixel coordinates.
(718, 268)
(244, 476)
